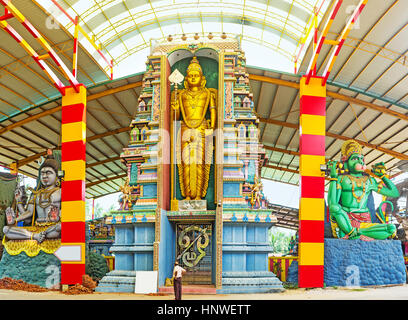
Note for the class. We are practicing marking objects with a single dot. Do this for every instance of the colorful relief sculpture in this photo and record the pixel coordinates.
(348, 195)
(40, 215)
(195, 153)
(256, 193)
(126, 197)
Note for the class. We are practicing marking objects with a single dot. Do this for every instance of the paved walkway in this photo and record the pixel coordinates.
(384, 293)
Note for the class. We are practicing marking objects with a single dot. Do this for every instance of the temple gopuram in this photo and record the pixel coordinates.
(193, 192)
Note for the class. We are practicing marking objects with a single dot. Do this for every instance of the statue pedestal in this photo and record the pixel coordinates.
(44, 269)
(192, 205)
(360, 263)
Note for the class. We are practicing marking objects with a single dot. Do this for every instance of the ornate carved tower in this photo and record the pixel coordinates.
(194, 162)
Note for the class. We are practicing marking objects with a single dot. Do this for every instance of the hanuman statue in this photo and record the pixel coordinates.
(348, 196)
(194, 153)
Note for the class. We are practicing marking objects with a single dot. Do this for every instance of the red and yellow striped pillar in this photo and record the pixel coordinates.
(312, 132)
(73, 139)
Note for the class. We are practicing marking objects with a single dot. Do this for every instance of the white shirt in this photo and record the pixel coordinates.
(178, 271)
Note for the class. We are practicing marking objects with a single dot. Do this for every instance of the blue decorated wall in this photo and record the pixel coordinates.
(167, 249)
(245, 247)
(133, 247)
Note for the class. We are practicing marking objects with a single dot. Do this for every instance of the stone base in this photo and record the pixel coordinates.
(43, 270)
(360, 263)
(117, 281)
(192, 205)
(250, 282)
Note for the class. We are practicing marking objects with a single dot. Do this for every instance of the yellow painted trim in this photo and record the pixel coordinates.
(74, 170)
(73, 211)
(311, 209)
(310, 165)
(44, 43)
(73, 131)
(283, 270)
(28, 48)
(312, 124)
(82, 252)
(15, 12)
(311, 254)
(314, 88)
(73, 97)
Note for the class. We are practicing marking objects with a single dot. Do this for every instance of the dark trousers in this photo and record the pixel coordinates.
(177, 288)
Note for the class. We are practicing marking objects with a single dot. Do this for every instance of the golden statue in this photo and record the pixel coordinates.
(194, 152)
(126, 190)
(256, 189)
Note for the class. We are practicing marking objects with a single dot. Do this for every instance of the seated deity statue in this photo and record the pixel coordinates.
(194, 153)
(348, 196)
(43, 208)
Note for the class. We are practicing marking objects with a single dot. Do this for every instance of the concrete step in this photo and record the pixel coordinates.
(190, 289)
(250, 289)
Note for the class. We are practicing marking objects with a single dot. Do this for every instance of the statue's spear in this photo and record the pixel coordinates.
(175, 79)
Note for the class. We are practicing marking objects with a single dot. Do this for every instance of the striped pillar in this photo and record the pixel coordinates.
(73, 138)
(311, 208)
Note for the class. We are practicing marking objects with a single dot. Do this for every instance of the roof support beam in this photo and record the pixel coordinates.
(23, 162)
(280, 82)
(334, 95)
(392, 153)
(280, 168)
(94, 164)
(58, 108)
(90, 184)
(293, 153)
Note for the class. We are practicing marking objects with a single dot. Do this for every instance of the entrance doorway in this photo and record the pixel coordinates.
(194, 252)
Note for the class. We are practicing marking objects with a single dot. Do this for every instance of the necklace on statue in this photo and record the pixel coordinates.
(193, 97)
(360, 182)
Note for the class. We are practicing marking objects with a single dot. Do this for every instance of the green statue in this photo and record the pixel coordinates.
(348, 195)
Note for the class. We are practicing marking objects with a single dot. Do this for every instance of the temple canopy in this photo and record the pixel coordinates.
(273, 34)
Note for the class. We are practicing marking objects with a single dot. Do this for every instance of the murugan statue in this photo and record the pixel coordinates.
(43, 208)
(348, 196)
(195, 150)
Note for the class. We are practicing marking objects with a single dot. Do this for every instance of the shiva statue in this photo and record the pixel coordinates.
(194, 155)
(348, 195)
(43, 208)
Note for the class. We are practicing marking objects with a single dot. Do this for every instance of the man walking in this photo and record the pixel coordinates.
(178, 272)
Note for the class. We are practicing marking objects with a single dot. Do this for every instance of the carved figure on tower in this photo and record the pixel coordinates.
(195, 107)
(256, 193)
(126, 197)
(348, 195)
(43, 209)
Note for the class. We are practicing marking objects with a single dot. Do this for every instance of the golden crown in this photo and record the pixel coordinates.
(195, 65)
(348, 148)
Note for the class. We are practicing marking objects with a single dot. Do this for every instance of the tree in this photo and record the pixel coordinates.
(107, 212)
(279, 240)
